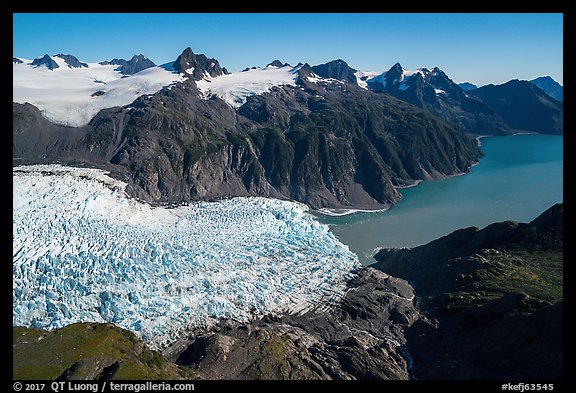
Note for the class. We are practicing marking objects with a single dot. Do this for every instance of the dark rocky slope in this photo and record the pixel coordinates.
(46, 61)
(523, 106)
(325, 144)
(72, 61)
(492, 300)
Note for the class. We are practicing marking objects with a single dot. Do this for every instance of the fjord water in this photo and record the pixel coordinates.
(518, 178)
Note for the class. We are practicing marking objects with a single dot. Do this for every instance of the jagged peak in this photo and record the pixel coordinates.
(197, 65)
(277, 63)
(46, 61)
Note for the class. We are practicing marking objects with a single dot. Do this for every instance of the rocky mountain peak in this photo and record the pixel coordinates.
(129, 67)
(336, 69)
(395, 69)
(197, 65)
(72, 61)
(550, 87)
(45, 61)
(277, 63)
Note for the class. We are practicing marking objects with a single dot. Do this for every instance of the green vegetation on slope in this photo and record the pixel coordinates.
(88, 351)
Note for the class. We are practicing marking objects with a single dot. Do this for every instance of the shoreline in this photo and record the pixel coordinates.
(514, 134)
(345, 212)
(413, 184)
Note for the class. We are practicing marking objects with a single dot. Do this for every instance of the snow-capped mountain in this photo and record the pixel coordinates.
(433, 90)
(336, 69)
(197, 65)
(71, 93)
(302, 133)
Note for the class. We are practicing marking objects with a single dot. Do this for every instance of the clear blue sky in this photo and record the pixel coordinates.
(480, 48)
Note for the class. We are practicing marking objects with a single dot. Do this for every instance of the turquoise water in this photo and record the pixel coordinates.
(517, 179)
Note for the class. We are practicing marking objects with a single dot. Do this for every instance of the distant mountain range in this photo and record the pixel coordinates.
(326, 135)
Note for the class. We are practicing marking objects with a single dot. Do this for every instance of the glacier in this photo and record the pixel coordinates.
(235, 88)
(85, 251)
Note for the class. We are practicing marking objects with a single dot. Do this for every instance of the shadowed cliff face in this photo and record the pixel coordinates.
(492, 300)
(325, 144)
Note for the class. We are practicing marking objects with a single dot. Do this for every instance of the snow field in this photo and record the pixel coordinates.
(65, 95)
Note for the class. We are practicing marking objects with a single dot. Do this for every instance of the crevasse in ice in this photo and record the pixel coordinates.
(84, 251)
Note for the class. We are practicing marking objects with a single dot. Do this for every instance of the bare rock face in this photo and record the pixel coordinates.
(359, 337)
(435, 92)
(129, 67)
(199, 66)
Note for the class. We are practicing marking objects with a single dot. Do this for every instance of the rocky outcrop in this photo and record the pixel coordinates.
(277, 63)
(129, 67)
(523, 106)
(467, 86)
(492, 300)
(359, 337)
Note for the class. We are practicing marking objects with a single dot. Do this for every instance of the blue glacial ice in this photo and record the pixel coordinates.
(84, 251)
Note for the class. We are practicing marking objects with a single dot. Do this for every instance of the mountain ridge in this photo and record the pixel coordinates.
(326, 144)
(523, 106)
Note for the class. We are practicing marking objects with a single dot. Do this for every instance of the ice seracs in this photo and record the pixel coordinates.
(83, 251)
